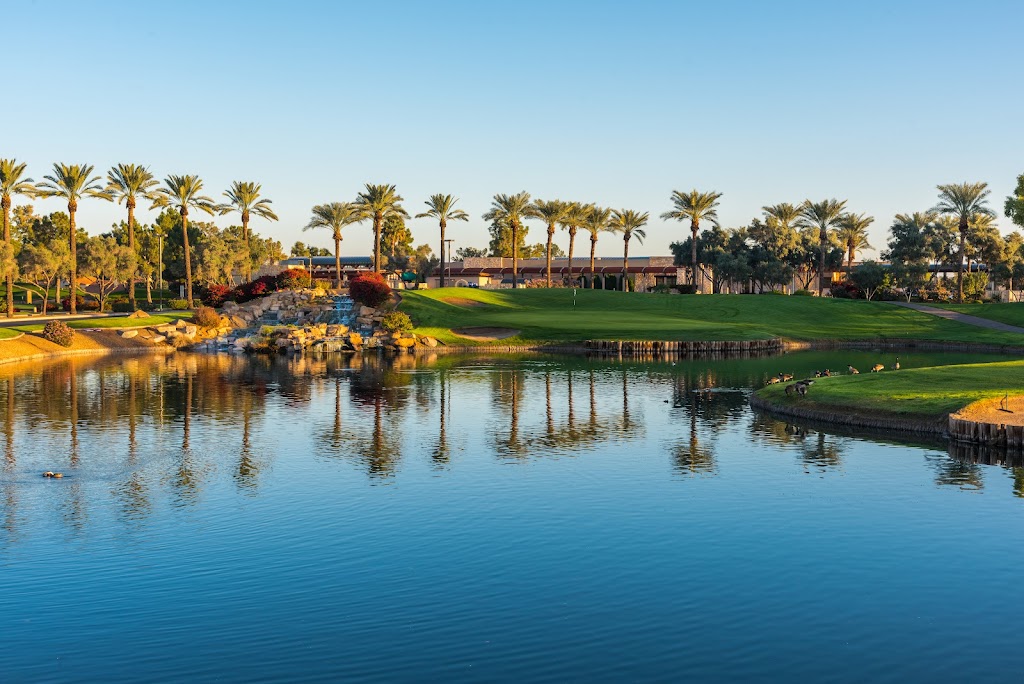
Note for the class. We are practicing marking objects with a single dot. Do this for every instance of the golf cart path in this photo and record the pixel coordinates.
(961, 317)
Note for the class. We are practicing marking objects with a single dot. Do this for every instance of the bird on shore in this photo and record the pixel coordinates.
(785, 377)
(896, 366)
(878, 368)
(853, 371)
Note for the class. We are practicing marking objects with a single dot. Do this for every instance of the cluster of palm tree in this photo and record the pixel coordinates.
(128, 184)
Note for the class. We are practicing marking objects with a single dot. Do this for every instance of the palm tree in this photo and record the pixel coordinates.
(629, 223)
(511, 209)
(596, 221)
(824, 216)
(11, 183)
(963, 201)
(550, 212)
(853, 235)
(379, 202)
(72, 183)
(442, 208)
(336, 216)
(181, 193)
(575, 216)
(129, 183)
(244, 197)
(786, 215)
(695, 206)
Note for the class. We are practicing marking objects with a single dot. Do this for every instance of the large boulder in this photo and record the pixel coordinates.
(128, 334)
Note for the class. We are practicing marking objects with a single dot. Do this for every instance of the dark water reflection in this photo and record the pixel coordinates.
(493, 518)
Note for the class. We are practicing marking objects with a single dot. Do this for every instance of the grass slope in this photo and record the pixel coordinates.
(919, 393)
(109, 322)
(1009, 313)
(549, 316)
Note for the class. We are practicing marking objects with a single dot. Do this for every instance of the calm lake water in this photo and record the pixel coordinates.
(487, 519)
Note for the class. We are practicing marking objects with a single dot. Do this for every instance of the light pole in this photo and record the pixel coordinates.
(310, 257)
(448, 241)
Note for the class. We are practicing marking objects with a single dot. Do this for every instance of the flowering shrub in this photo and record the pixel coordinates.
(205, 317)
(216, 295)
(256, 288)
(80, 304)
(292, 278)
(59, 333)
(369, 289)
(396, 321)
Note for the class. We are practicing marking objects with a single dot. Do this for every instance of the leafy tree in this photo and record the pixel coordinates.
(870, 277)
(575, 216)
(218, 254)
(1010, 265)
(595, 220)
(42, 264)
(244, 197)
(806, 256)
(147, 244)
(396, 241)
(629, 223)
(470, 252)
(378, 202)
(302, 250)
(1014, 206)
(442, 208)
(510, 210)
(129, 183)
(109, 263)
(12, 182)
(695, 207)
(551, 212)
(910, 248)
(852, 234)
(963, 201)
(335, 216)
(823, 217)
(182, 193)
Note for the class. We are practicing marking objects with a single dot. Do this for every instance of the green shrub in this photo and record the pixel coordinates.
(205, 317)
(803, 293)
(396, 321)
(59, 333)
(180, 304)
(686, 288)
(776, 292)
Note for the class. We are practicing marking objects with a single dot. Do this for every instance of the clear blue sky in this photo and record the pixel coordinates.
(615, 103)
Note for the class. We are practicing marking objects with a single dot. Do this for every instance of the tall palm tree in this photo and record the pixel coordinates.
(694, 206)
(336, 216)
(630, 223)
(129, 183)
(963, 201)
(824, 216)
(244, 197)
(511, 209)
(575, 216)
(181, 193)
(596, 221)
(442, 208)
(72, 182)
(786, 215)
(550, 212)
(853, 235)
(379, 202)
(12, 183)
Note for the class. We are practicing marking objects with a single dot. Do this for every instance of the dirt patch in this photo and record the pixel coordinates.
(461, 301)
(992, 411)
(482, 334)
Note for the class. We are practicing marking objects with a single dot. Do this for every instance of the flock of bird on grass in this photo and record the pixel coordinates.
(800, 387)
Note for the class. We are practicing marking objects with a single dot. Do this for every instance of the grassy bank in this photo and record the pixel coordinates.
(1011, 313)
(104, 323)
(917, 394)
(549, 316)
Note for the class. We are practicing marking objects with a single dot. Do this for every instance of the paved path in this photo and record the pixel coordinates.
(961, 317)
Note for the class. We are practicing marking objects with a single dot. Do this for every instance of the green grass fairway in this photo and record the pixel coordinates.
(1010, 313)
(919, 393)
(548, 316)
(108, 322)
